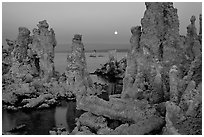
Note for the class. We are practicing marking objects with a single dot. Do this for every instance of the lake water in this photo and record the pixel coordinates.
(39, 122)
(92, 62)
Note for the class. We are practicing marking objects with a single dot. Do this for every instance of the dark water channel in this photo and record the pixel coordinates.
(39, 122)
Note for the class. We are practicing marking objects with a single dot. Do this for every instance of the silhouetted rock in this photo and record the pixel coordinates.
(113, 71)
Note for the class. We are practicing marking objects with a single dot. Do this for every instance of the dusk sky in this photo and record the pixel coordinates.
(97, 22)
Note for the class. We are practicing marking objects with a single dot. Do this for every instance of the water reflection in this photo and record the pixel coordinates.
(60, 116)
(41, 121)
(71, 114)
(37, 122)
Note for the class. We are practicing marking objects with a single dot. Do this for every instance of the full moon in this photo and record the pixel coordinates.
(115, 32)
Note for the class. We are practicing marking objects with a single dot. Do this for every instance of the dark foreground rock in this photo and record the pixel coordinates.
(112, 71)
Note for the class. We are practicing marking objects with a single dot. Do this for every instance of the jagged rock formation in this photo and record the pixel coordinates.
(155, 73)
(43, 45)
(29, 74)
(160, 28)
(159, 40)
(21, 45)
(142, 72)
(33, 55)
(192, 40)
(20, 66)
(112, 71)
(6, 57)
(183, 112)
(162, 87)
(154, 50)
(130, 111)
(78, 79)
(200, 23)
(160, 34)
(200, 30)
(153, 45)
(130, 72)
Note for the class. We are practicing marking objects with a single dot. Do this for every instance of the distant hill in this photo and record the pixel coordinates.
(91, 47)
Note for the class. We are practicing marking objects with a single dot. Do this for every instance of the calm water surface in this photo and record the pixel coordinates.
(92, 62)
(39, 122)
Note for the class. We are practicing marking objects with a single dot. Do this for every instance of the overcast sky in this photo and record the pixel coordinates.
(97, 22)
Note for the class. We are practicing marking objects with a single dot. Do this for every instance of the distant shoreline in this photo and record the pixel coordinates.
(97, 51)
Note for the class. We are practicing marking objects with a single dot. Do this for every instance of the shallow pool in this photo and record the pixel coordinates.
(39, 122)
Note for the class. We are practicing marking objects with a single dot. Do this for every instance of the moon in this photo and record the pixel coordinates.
(115, 32)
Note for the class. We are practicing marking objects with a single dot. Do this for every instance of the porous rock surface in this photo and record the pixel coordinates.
(159, 71)
(162, 85)
(43, 45)
(78, 79)
(28, 70)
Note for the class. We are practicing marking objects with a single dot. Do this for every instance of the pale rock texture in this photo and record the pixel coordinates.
(193, 43)
(143, 72)
(20, 49)
(78, 79)
(92, 121)
(20, 66)
(131, 71)
(160, 33)
(43, 45)
(174, 82)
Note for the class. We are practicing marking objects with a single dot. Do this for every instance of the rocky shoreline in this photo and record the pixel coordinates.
(161, 78)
